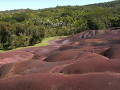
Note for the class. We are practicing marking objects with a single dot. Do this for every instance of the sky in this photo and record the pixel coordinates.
(41, 4)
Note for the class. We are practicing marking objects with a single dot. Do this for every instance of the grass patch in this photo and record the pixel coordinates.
(2, 50)
(44, 42)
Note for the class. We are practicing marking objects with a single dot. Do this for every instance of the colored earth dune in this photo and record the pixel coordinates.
(88, 60)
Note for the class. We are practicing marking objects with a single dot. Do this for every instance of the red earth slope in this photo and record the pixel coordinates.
(86, 61)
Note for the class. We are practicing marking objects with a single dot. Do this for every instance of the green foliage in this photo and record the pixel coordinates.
(44, 42)
(20, 28)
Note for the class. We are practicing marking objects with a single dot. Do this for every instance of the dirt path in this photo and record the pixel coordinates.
(54, 41)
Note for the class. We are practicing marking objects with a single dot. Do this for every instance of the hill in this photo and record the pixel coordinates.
(24, 27)
(89, 60)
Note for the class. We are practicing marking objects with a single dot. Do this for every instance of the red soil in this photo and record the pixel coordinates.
(78, 62)
(91, 81)
(91, 65)
(113, 52)
(83, 35)
(14, 56)
(29, 67)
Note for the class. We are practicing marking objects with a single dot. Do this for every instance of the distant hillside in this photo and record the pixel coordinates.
(26, 27)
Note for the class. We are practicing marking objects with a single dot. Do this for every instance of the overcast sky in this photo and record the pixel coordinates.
(40, 4)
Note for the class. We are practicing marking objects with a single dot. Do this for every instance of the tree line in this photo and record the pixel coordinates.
(24, 27)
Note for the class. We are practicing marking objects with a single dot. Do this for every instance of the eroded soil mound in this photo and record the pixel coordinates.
(113, 52)
(47, 81)
(93, 34)
(90, 65)
(14, 56)
(70, 55)
(86, 61)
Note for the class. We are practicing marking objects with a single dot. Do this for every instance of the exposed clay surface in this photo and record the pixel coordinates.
(86, 61)
(48, 81)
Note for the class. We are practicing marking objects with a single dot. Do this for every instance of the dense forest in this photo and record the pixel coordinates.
(24, 27)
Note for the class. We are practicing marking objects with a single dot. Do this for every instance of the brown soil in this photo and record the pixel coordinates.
(86, 61)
